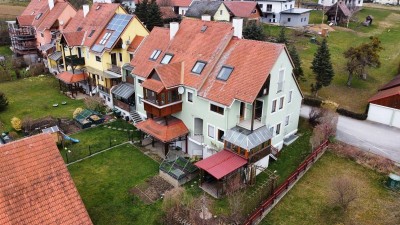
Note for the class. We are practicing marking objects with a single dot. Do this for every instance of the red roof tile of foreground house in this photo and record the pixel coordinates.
(241, 9)
(154, 85)
(385, 94)
(252, 62)
(34, 8)
(221, 163)
(95, 21)
(53, 15)
(35, 185)
(135, 43)
(170, 74)
(165, 133)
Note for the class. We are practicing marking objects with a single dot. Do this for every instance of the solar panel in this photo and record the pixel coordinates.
(98, 48)
(117, 24)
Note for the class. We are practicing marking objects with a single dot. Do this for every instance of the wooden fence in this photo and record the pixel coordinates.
(269, 203)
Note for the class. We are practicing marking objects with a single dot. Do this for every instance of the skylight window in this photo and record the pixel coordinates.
(224, 73)
(198, 67)
(155, 54)
(38, 16)
(105, 38)
(91, 33)
(79, 29)
(166, 59)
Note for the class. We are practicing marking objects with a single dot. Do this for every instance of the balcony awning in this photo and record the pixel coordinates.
(245, 138)
(127, 66)
(101, 73)
(55, 56)
(163, 132)
(69, 78)
(221, 163)
(46, 47)
(124, 90)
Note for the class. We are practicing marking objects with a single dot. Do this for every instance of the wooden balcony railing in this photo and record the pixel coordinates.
(163, 110)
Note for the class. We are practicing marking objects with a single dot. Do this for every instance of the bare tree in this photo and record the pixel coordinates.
(236, 205)
(343, 192)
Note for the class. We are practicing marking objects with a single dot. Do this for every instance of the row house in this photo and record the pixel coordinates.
(36, 29)
(97, 51)
(351, 4)
(203, 88)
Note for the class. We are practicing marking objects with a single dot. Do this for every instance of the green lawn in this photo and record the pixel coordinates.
(98, 138)
(5, 51)
(309, 203)
(386, 26)
(34, 97)
(104, 181)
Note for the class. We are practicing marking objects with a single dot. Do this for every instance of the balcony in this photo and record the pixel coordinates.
(259, 154)
(160, 110)
(74, 60)
(104, 89)
(113, 70)
(123, 105)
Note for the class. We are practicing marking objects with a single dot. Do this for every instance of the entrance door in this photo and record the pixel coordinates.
(259, 109)
(242, 109)
(114, 59)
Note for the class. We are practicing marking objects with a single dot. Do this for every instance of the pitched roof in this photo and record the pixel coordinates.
(170, 74)
(393, 83)
(252, 62)
(221, 163)
(167, 12)
(53, 15)
(35, 185)
(385, 94)
(90, 23)
(183, 3)
(241, 9)
(70, 78)
(34, 8)
(154, 85)
(135, 43)
(342, 7)
(199, 8)
(165, 133)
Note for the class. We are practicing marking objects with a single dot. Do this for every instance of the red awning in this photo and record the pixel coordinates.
(70, 78)
(165, 133)
(221, 163)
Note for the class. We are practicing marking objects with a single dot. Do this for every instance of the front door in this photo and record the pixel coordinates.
(114, 59)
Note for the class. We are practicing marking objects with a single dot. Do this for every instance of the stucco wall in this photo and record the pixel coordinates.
(384, 115)
(296, 20)
(222, 14)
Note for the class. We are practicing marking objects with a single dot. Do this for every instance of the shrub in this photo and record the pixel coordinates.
(315, 102)
(343, 192)
(348, 113)
(77, 111)
(36, 69)
(16, 123)
(3, 101)
(13, 135)
(95, 103)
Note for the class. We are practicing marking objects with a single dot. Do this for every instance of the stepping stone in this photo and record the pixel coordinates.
(130, 130)
(125, 130)
(119, 129)
(114, 128)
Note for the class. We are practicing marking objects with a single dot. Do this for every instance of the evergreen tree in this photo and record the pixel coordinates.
(3, 101)
(282, 36)
(141, 10)
(253, 31)
(154, 17)
(322, 68)
(297, 70)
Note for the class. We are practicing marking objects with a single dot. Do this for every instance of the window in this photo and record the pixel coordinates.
(220, 12)
(98, 59)
(217, 109)
(155, 54)
(198, 67)
(140, 100)
(333, 1)
(290, 97)
(285, 6)
(190, 96)
(38, 16)
(287, 120)
(220, 135)
(278, 129)
(41, 35)
(79, 29)
(166, 59)
(105, 38)
(288, 19)
(91, 33)
(211, 131)
(280, 82)
(305, 19)
(281, 102)
(224, 73)
(130, 57)
(140, 81)
(120, 57)
(271, 129)
(269, 7)
(291, 6)
(273, 106)
(261, 6)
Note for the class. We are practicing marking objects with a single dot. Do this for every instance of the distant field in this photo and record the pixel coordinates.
(10, 11)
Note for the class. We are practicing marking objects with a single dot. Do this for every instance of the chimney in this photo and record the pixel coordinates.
(173, 29)
(237, 24)
(85, 10)
(206, 17)
(51, 4)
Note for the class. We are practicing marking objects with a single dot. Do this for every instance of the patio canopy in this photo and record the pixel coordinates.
(55, 56)
(124, 90)
(221, 163)
(163, 132)
(69, 78)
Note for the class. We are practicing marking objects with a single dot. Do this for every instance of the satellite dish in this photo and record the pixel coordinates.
(124, 46)
(181, 90)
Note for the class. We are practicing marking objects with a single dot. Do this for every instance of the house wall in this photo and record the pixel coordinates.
(384, 115)
(389, 2)
(277, 8)
(222, 14)
(356, 3)
(296, 20)
(182, 10)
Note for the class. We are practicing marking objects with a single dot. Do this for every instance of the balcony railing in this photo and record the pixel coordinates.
(74, 60)
(122, 105)
(259, 154)
(113, 69)
(163, 110)
(104, 89)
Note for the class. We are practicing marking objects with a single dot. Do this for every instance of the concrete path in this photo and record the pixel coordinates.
(366, 135)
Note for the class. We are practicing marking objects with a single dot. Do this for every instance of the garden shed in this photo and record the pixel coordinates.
(88, 118)
(178, 171)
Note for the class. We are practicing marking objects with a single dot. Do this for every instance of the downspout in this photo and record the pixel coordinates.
(253, 116)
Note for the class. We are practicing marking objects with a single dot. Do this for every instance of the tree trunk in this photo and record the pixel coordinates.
(349, 79)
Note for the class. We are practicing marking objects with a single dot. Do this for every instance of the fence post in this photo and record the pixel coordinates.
(110, 142)
(90, 152)
(66, 155)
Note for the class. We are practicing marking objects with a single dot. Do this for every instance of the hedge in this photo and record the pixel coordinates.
(314, 102)
(358, 116)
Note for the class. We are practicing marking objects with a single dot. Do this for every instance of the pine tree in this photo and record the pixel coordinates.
(322, 68)
(153, 16)
(3, 101)
(254, 31)
(282, 36)
(297, 70)
(141, 11)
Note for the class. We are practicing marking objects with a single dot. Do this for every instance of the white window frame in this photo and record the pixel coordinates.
(290, 96)
(281, 103)
(276, 129)
(169, 60)
(187, 96)
(279, 80)
(287, 120)
(274, 110)
(216, 136)
(208, 131)
(155, 54)
(140, 100)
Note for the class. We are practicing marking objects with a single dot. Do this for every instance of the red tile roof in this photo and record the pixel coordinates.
(170, 74)
(154, 85)
(183, 3)
(241, 9)
(35, 7)
(70, 78)
(35, 185)
(74, 38)
(53, 15)
(165, 133)
(385, 94)
(221, 163)
(393, 83)
(167, 12)
(252, 62)
(135, 43)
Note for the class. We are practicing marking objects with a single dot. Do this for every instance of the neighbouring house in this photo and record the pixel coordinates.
(250, 11)
(37, 28)
(234, 101)
(168, 14)
(351, 4)
(384, 106)
(295, 17)
(340, 12)
(35, 185)
(213, 10)
(387, 2)
(178, 6)
(272, 9)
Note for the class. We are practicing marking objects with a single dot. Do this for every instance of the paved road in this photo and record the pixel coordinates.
(366, 135)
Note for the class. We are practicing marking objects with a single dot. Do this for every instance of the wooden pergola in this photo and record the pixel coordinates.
(69, 82)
